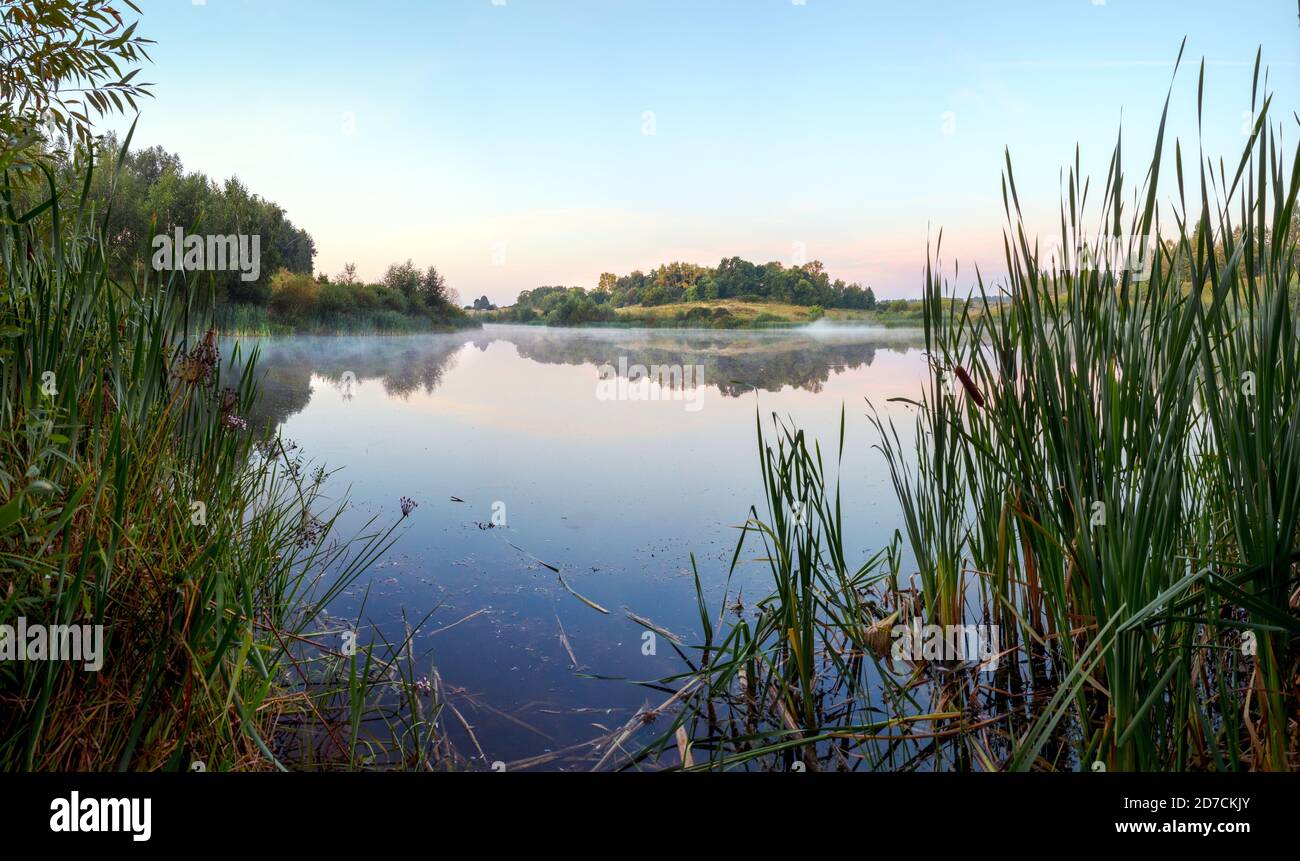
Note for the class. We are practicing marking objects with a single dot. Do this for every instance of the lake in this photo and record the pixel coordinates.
(561, 456)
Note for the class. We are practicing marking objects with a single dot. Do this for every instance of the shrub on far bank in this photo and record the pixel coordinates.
(559, 306)
(294, 295)
(336, 299)
(300, 302)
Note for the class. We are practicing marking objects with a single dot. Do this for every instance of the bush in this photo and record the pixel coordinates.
(294, 296)
(364, 298)
(337, 299)
(575, 309)
(389, 299)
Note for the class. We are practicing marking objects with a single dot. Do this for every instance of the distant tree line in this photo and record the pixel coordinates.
(678, 282)
(405, 298)
(153, 194)
(560, 306)
(735, 278)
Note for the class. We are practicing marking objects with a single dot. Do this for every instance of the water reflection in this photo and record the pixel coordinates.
(627, 498)
(733, 362)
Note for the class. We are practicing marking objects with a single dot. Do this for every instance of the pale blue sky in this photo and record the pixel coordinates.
(506, 143)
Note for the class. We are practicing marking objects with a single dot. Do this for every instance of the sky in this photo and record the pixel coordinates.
(519, 143)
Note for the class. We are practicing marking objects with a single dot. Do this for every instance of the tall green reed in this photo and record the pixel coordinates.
(133, 496)
(1106, 464)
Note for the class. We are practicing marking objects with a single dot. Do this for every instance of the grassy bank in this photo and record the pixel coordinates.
(255, 320)
(1108, 474)
(303, 304)
(718, 313)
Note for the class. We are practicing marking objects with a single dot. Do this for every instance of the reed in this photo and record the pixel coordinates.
(1107, 466)
(133, 496)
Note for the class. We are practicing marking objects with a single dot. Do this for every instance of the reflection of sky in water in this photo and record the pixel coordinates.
(617, 494)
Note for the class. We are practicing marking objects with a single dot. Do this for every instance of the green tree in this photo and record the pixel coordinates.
(404, 278)
(435, 291)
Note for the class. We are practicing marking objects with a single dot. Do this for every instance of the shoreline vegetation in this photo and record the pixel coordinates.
(1107, 473)
(406, 301)
(135, 499)
(151, 193)
(705, 314)
(1157, 632)
(145, 193)
(735, 294)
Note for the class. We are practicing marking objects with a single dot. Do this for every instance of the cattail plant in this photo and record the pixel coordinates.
(1106, 465)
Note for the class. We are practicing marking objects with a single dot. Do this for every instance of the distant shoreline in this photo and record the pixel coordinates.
(725, 314)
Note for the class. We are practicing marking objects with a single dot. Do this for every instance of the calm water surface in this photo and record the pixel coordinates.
(615, 493)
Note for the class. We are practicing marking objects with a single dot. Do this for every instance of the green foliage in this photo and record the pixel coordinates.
(426, 289)
(676, 283)
(294, 296)
(1107, 469)
(152, 194)
(403, 278)
(336, 300)
(62, 64)
(300, 303)
(560, 306)
(735, 278)
(259, 320)
(133, 496)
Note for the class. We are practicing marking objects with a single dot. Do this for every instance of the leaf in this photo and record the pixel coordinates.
(590, 603)
(9, 513)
